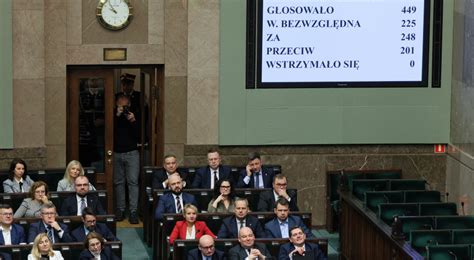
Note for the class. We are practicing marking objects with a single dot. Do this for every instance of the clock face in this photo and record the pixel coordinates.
(114, 14)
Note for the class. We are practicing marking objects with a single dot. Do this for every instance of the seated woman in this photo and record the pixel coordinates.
(31, 207)
(43, 249)
(189, 228)
(18, 180)
(95, 248)
(223, 199)
(73, 169)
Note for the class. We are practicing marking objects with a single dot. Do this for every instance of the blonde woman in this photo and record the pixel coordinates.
(73, 169)
(43, 249)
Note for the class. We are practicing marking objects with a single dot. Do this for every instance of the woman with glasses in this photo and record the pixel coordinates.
(223, 199)
(43, 249)
(189, 228)
(31, 207)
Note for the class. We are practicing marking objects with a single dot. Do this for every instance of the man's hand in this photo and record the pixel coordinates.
(283, 193)
(248, 168)
(131, 117)
(55, 225)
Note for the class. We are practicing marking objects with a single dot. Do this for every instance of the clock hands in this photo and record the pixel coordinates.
(111, 7)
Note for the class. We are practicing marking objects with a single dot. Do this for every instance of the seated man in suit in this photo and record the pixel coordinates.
(267, 199)
(247, 248)
(174, 201)
(231, 225)
(279, 226)
(206, 250)
(207, 177)
(170, 166)
(74, 204)
(298, 248)
(255, 175)
(57, 232)
(11, 234)
(91, 225)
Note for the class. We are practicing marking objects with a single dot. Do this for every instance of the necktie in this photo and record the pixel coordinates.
(257, 180)
(83, 205)
(178, 205)
(242, 224)
(50, 233)
(21, 186)
(215, 178)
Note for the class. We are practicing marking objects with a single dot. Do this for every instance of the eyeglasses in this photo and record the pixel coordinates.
(207, 247)
(225, 187)
(280, 184)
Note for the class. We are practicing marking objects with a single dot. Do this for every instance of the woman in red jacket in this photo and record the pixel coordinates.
(189, 228)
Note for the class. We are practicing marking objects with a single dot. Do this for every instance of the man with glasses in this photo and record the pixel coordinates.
(75, 203)
(12, 234)
(268, 198)
(207, 177)
(57, 232)
(91, 225)
(206, 250)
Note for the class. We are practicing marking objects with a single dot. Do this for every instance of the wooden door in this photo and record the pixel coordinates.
(90, 123)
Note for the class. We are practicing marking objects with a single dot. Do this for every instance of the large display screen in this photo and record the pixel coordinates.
(341, 43)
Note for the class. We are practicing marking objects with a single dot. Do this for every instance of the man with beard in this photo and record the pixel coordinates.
(231, 225)
(298, 248)
(91, 225)
(247, 248)
(174, 201)
(74, 204)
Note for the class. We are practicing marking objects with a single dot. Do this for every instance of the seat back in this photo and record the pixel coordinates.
(387, 211)
(454, 222)
(420, 239)
(410, 223)
(374, 198)
(438, 209)
(406, 184)
(448, 252)
(463, 236)
(359, 187)
(422, 196)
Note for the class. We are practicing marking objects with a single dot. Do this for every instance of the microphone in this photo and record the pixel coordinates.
(450, 252)
(462, 208)
(447, 196)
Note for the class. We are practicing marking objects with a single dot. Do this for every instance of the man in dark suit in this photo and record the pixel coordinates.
(174, 201)
(206, 250)
(57, 232)
(170, 166)
(17, 234)
(268, 198)
(74, 204)
(91, 225)
(298, 248)
(247, 248)
(255, 175)
(231, 225)
(207, 177)
(279, 226)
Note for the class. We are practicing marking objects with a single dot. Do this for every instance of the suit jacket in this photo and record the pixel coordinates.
(229, 227)
(69, 205)
(105, 254)
(38, 227)
(239, 253)
(160, 175)
(166, 203)
(202, 178)
(17, 235)
(179, 230)
(266, 201)
(272, 227)
(267, 174)
(195, 254)
(79, 235)
(57, 256)
(11, 186)
(287, 248)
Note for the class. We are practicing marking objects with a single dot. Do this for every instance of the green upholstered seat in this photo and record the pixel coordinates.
(359, 187)
(454, 222)
(384, 174)
(463, 236)
(420, 239)
(374, 198)
(410, 223)
(387, 211)
(407, 184)
(438, 209)
(448, 252)
(422, 196)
